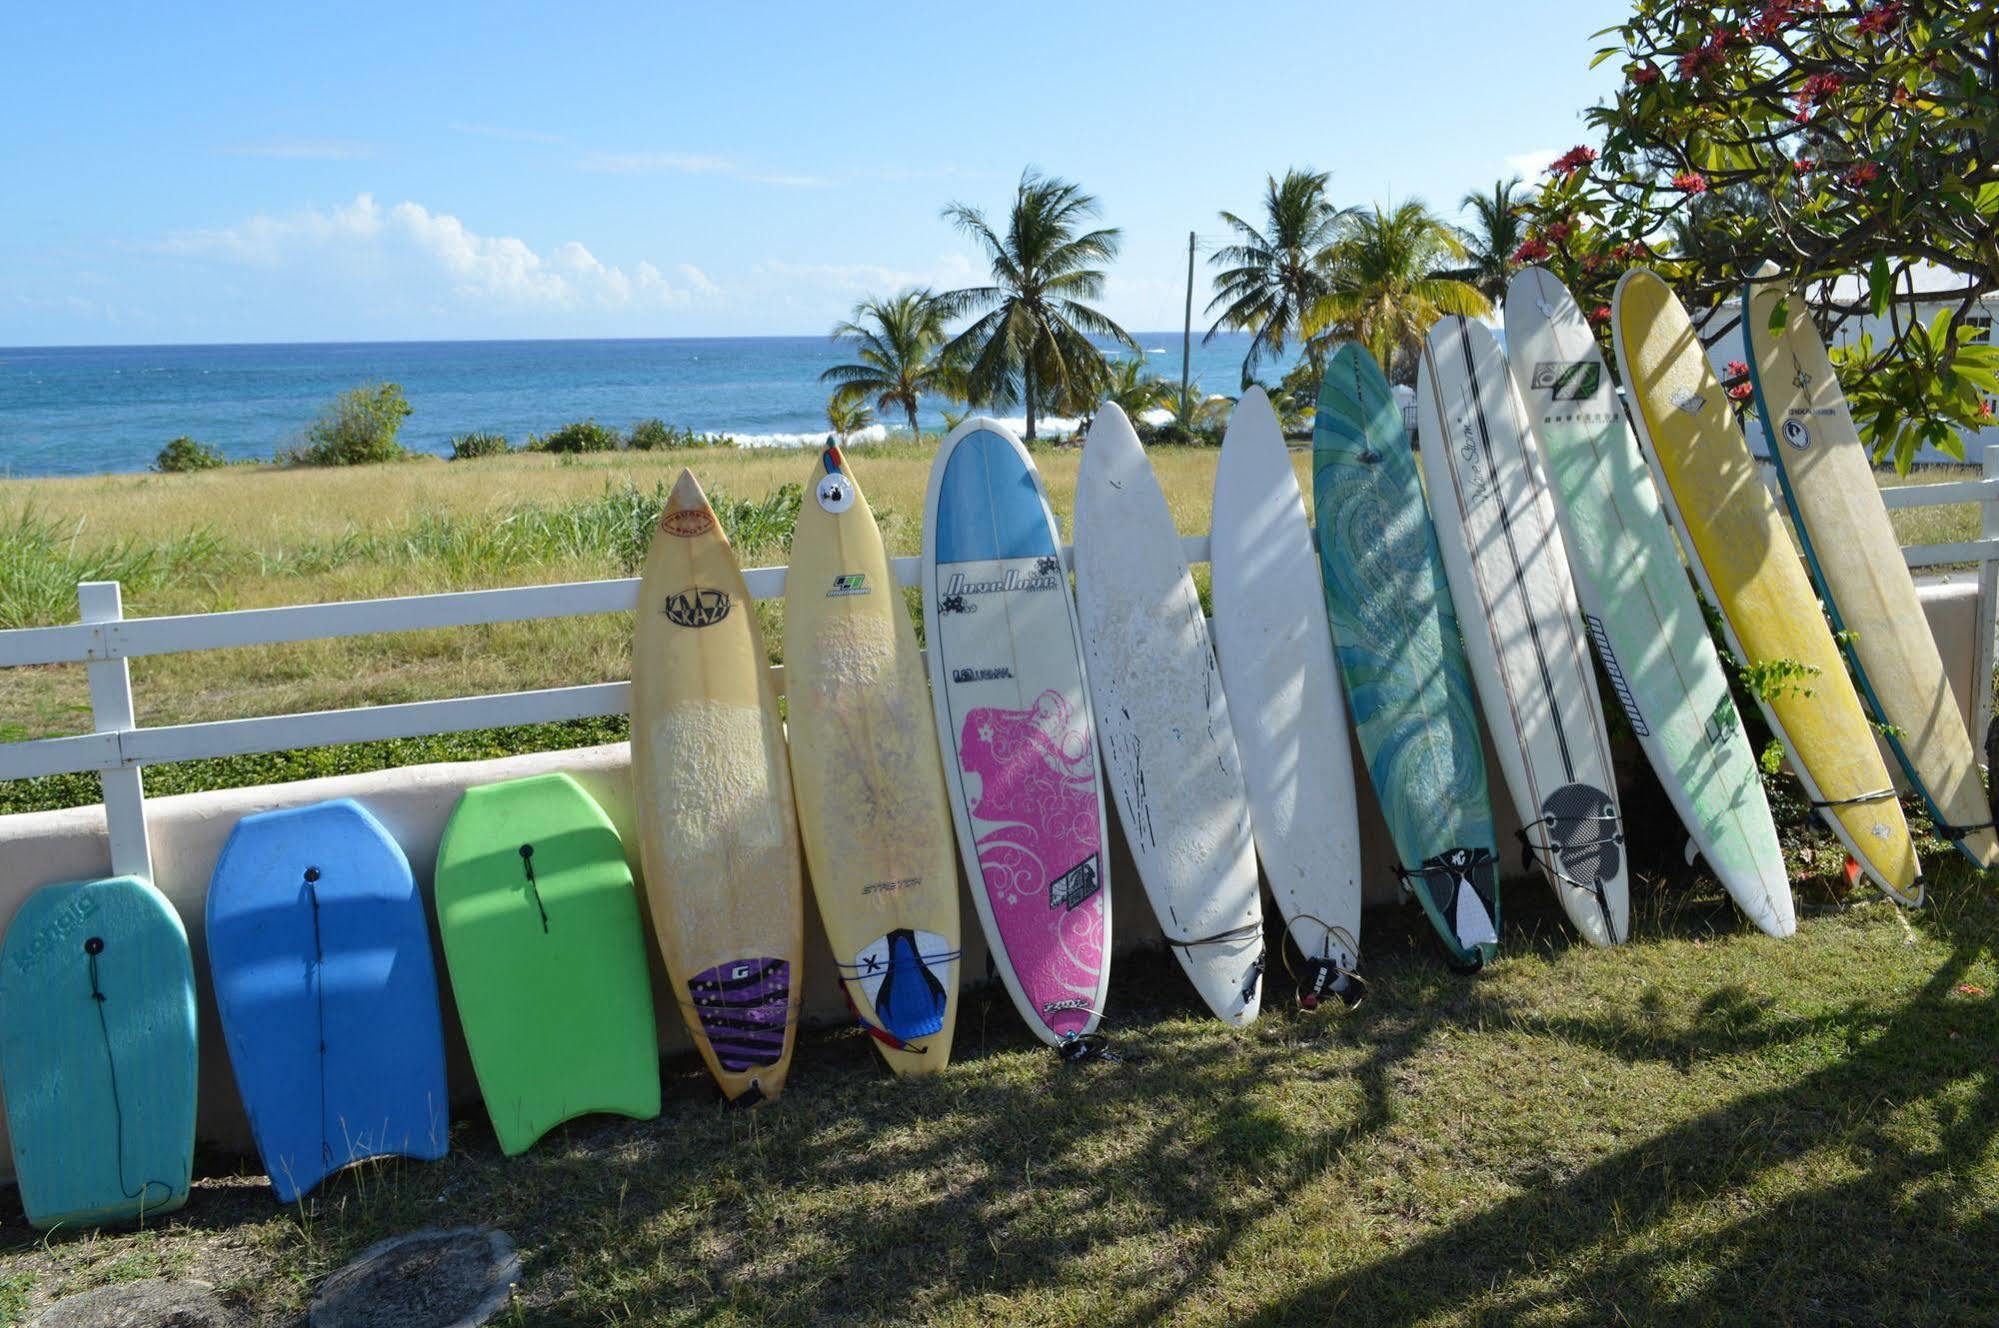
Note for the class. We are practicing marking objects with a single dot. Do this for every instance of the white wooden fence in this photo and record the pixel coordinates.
(119, 750)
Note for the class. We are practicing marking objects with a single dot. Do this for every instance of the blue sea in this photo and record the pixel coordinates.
(93, 409)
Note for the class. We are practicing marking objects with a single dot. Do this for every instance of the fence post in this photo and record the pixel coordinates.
(111, 712)
(1988, 610)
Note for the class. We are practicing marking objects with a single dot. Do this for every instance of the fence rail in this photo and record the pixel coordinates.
(118, 749)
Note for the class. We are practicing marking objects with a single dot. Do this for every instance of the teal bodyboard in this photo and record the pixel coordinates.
(1401, 654)
(98, 1052)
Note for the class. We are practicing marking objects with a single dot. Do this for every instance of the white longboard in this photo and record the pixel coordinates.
(1290, 721)
(1638, 605)
(1013, 715)
(1524, 638)
(1164, 723)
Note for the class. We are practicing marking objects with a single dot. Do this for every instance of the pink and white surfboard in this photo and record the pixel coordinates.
(1013, 715)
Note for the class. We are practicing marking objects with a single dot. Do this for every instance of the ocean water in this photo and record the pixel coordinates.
(93, 409)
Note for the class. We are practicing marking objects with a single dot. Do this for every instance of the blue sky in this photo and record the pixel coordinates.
(445, 170)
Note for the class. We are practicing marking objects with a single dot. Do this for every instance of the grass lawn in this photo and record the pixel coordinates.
(1706, 1126)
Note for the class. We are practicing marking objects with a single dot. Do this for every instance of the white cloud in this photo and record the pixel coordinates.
(1532, 165)
(410, 247)
(683, 163)
(947, 272)
(301, 149)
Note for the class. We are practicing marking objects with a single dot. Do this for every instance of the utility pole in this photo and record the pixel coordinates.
(1187, 330)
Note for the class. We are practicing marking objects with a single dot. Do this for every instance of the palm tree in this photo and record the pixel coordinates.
(1126, 383)
(1498, 231)
(896, 362)
(847, 415)
(1275, 274)
(1031, 340)
(1386, 282)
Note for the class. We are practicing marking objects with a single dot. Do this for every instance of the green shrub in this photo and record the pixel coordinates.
(357, 429)
(658, 436)
(184, 454)
(467, 446)
(582, 436)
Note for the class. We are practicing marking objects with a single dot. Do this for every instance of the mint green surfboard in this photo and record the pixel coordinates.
(540, 923)
(97, 1052)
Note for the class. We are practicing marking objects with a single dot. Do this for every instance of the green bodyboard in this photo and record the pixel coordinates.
(97, 1052)
(540, 924)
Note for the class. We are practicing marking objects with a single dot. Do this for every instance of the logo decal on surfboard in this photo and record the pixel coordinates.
(835, 493)
(1690, 402)
(697, 606)
(688, 522)
(1797, 435)
(1568, 380)
(849, 583)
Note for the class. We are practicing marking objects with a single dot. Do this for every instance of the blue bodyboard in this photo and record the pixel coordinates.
(97, 1052)
(319, 947)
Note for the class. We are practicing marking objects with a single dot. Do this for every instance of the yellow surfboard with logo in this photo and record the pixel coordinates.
(1742, 555)
(879, 842)
(712, 781)
(1856, 561)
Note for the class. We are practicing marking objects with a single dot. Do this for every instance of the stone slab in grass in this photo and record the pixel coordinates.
(433, 1278)
(152, 1303)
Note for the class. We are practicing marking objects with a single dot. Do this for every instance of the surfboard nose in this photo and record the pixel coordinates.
(686, 505)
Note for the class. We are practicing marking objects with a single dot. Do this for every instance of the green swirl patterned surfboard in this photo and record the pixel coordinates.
(1401, 655)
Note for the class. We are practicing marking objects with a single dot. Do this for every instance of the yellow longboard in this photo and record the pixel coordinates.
(1854, 557)
(717, 835)
(1741, 553)
(869, 780)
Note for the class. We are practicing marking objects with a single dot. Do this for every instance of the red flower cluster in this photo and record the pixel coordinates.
(1707, 57)
(1572, 161)
(1531, 252)
(1691, 182)
(1985, 409)
(1645, 74)
(1600, 314)
(1624, 253)
(1876, 21)
(1558, 231)
(1804, 165)
(1736, 376)
(1816, 89)
(1776, 16)
(1860, 174)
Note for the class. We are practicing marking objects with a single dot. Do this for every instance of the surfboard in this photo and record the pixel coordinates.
(1276, 653)
(1638, 607)
(1855, 561)
(1523, 632)
(718, 838)
(1742, 556)
(1019, 740)
(540, 924)
(868, 777)
(97, 1052)
(319, 950)
(1397, 642)
(1169, 749)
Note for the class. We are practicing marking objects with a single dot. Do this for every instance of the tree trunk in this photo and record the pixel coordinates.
(1029, 375)
(910, 406)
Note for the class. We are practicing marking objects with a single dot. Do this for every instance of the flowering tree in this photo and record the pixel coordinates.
(1831, 139)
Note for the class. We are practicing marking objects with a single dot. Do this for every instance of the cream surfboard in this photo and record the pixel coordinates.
(1175, 775)
(1019, 742)
(1856, 561)
(1637, 605)
(717, 835)
(1276, 652)
(867, 778)
(1742, 555)
(1509, 577)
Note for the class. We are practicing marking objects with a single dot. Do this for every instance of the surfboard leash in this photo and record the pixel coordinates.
(93, 947)
(1254, 978)
(1545, 856)
(534, 886)
(1323, 976)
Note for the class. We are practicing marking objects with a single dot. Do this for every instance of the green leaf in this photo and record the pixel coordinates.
(1780, 314)
(1880, 285)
